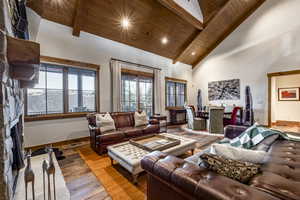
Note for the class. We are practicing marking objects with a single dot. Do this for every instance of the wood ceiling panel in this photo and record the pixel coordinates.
(59, 11)
(228, 18)
(150, 22)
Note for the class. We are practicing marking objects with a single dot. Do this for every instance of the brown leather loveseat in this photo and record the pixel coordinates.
(125, 130)
(173, 178)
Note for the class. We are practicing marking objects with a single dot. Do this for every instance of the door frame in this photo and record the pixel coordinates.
(270, 76)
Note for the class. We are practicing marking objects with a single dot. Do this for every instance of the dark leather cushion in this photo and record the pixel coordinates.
(111, 136)
(282, 187)
(123, 120)
(281, 175)
(150, 129)
(132, 131)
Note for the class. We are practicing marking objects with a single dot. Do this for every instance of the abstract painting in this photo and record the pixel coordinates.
(288, 94)
(224, 90)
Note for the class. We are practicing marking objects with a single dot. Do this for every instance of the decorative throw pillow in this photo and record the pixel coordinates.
(239, 154)
(240, 171)
(105, 122)
(140, 119)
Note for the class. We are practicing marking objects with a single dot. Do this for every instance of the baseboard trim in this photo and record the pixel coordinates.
(55, 144)
(285, 123)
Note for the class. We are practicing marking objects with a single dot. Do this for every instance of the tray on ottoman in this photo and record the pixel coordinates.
(154, 142)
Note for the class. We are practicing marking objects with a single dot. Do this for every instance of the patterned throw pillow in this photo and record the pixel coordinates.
(240, 171)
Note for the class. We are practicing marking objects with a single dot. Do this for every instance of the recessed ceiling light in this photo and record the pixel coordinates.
(164, 40)
(193, 53)
(125, 23)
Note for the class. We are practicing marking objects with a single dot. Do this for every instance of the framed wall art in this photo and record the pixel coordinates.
(288, 94)
(224, 90)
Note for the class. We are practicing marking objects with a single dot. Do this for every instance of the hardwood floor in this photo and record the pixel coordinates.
(294, 129)
(80, 180)
(89, 176)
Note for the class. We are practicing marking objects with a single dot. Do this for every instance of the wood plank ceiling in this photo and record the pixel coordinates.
(189, 40)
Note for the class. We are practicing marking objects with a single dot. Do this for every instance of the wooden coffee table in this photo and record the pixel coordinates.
(129, 156)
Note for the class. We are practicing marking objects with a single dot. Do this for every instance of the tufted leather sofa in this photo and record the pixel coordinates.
(125, 130)
(173, 178)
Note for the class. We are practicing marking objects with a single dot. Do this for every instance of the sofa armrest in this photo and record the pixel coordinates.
(196, 181)
(95, 129)
(232, 131)
(94, 132)
(153, 121)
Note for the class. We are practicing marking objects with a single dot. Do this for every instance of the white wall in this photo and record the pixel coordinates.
(56, 40)
(285, 110)
(268, 41)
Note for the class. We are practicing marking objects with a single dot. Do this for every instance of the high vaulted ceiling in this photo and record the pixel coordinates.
(189, 40)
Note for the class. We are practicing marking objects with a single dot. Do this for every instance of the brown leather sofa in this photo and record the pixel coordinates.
(125, 130)
(173, 178)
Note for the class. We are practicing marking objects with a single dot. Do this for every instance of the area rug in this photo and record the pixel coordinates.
(185, 128)
(117, 181)
(79, 178)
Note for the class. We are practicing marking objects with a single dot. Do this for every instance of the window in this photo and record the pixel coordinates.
(62, 89)
(81, 90)
(137, 93)
(175, 92)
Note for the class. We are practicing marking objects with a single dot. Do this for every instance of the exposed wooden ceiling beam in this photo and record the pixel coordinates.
(225, 22)
(79, 14)
(210, 8)
(178, 10)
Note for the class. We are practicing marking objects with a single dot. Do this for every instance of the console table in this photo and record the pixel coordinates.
(173, 116)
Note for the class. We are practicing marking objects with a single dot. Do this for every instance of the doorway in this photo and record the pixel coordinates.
(284, 100)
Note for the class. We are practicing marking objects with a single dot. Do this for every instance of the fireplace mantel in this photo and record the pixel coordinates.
(24, 59)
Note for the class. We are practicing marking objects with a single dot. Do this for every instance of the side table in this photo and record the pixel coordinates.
(161, 118)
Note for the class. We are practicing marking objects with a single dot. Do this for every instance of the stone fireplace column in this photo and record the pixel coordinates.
(4, 127)
(19, 66)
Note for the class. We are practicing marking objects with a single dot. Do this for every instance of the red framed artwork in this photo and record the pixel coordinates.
(288, 94)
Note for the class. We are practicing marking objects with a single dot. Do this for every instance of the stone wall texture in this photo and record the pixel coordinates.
(11, 107)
